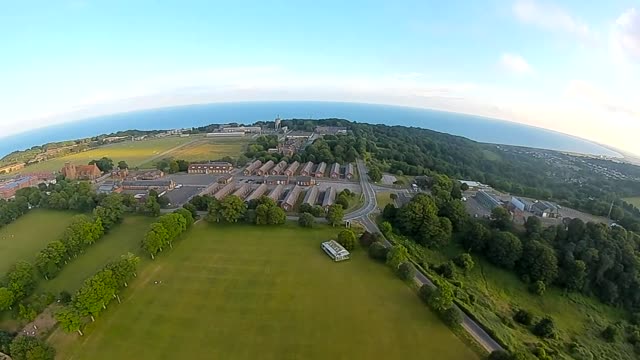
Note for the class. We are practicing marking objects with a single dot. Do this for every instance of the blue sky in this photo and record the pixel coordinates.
(570, 66)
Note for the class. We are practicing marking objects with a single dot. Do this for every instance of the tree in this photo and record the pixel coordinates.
(396, 256)
(464, 261)
(386, 227)
(343, 201)
(389, 212)
(378, 251)
(406, 271)
(152, 207)
(6, 299)
(173, 167)
(192, 209)
(5, 341)
(533, 225)
(335, 214)
(452, 316)
(104, 164)
(455, 211)
(306, 208)
(366, 239)
(464, 187)
(505, 249)
(70, 320)
(306, 220)
(122, 165)
(500, 355)
(574, 275)
(232, 208)
(374, 174)
(187, 215)
(538, 262)
(610, 333)
(30, 348)
(20, 280)
(164, 201)
(538, 288)
(476, 237)
(154, 239)
(317, 211)
(347, 239)
(545, 328)
(523, 317)
(439, 298)
(500, 218)
(419, 218)
(276, 216)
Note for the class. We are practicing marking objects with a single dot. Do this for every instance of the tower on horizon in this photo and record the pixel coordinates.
(278, 121)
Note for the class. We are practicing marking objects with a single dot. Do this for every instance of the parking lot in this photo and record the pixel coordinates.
(193, 179)
(178, 197)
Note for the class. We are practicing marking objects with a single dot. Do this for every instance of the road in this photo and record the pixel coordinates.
(362, 215)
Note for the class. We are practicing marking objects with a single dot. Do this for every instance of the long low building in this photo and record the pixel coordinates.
(322, 167)
(158, 185)
(242, 191)
(329, 197)
(291, 170)
(277, 180)
(348, 171)
(215, 167)
(8, 189)
(264, 169)
(335, 251)
(307, 170)
(335, 171)
(226, 190)
(311, 196)
(279, 169)
(252, 167)
(276, 193)
(259, 191)
(291, 198)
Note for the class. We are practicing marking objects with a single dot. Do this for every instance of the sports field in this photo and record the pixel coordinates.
(134, 153)
(123, 238)
(23, 238)
(206, 149)
(263, 293)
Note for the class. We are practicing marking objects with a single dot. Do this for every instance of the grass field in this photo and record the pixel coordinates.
(134, 153)
(500, 293)
(263, 293)
(207, 149)
(635, 201)
(382, 198)
(123, 238)
(23, 238)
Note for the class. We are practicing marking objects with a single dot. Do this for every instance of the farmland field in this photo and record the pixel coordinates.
(207, 149)
(635, 201)
(124, 238)
(134, 153)
(242, 292)
(23, 238)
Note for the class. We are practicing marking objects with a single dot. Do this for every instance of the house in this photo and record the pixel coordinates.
(335, 171)
(545, 209)
(225, 179)
(488, 200)
(291, 198)
(329, 197)
(277, 180)
(307, 169)
(311, 196)
(305, 181)
(322, 167)
(81, 172)
(259, 191)
(242, 191)
(349, 172)
(158, 185)
(264, 169)
(276, 193)
(252, 167)
(291, 170)
(214, 167)
(226, 190)
(335, 251)
(279, 169)
(11, 168)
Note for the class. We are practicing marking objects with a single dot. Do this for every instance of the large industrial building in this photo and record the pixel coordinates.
(488, 200)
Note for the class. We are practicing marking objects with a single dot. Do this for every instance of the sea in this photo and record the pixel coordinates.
(477, 128)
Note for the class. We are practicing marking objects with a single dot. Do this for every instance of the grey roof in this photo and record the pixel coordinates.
(308, 167)
(311, 196)
(276, 192)
(277, 178)
(349, 169)
(329, 196)
(305, 178)
(321, 167)
(259, 191)
(335, 168)
(147, 183)
(292, 196)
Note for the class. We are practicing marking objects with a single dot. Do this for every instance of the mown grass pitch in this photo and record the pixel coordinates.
(135, 153)
(25, 237)
(242, 292)
(124, 238)
(206, 149)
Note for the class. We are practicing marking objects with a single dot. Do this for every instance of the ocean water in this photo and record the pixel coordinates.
(473, 127)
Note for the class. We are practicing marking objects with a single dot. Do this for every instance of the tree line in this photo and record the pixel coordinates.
(163, 232)
(97, 292)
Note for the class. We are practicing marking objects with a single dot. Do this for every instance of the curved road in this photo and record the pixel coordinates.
(362, 215)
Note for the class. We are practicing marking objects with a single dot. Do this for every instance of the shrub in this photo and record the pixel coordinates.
(634, 336)
(464, 261)
(545, 328)
(366, 239)
(523, 317)
(446, 270)
(499, 355)
(378, 251)
(452, 316)
(306, 220)
(64, 297)
(406, 271)
(538, 288)
(347, 239)
(610, 333)
(425, 292)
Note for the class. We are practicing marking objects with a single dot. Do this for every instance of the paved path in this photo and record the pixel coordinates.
(362, 215)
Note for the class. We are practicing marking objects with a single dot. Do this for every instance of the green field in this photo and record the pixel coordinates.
(123, 238)
(207, 149)
(383, 198)
(25, 237)
(635, 201)
(263, 293)
(500, 293)
(134, 153)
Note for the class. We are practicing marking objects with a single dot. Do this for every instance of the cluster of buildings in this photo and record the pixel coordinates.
(136, 182)
(6, 169)
(81, 172)
(517, 205)
(212, 167)
(9, 187)
(309, 169)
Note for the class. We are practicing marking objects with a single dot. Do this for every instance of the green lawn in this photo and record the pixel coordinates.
(25, 237)
(499, 292)
(247, 292)
(383, 198)
(123, 238)
(635, 201)
(134, 153)
(207, 149)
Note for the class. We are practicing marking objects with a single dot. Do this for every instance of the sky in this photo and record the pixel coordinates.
(570, 66)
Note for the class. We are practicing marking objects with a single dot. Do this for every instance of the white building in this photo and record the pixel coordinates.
(335, 250)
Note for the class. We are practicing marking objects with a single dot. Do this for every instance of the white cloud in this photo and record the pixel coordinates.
(550, 17)
(625, 36)
(515, 64)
